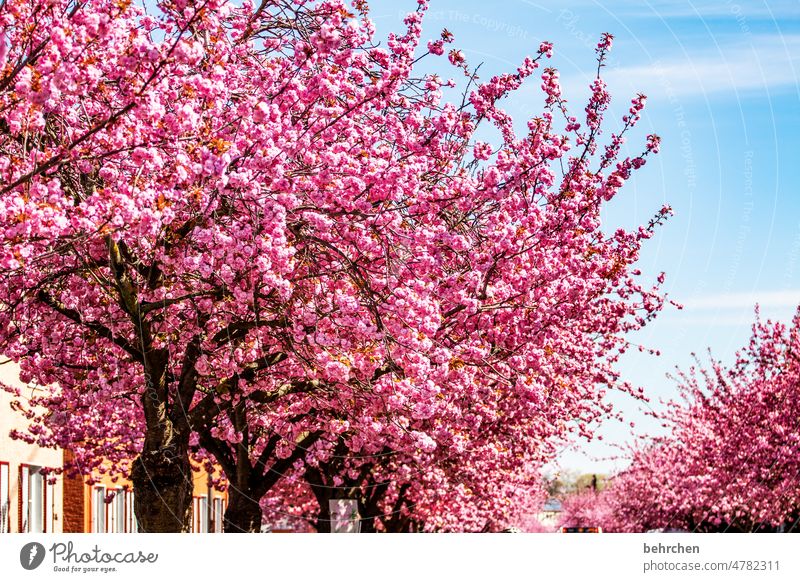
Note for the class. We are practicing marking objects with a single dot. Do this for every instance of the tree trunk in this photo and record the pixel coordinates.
(162, 485)
(396, 521)
(367, 518)
(324, 518)
(243, 514)
(161, 474)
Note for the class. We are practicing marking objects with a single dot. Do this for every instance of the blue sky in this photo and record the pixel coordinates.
(723, 86)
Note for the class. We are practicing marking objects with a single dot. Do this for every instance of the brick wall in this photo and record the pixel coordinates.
(74, 505)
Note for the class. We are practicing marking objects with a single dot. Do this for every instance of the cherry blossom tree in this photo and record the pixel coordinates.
(486, 487)
(243, 231)
(729, 460)
(586, 508)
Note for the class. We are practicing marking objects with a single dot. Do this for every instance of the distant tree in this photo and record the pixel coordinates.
(731, 458)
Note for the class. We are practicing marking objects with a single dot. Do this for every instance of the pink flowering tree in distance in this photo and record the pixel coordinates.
(475, 483)
(730, 460)
(585, 508)
(249, 232)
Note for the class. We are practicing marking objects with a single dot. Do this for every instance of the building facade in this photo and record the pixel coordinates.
(33, 501)
(106, 506)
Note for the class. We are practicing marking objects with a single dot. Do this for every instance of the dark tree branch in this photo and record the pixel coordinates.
(219, 449)
(205, 410)
(148, 306)
(238, 330)
(98, 328)
(279, 468)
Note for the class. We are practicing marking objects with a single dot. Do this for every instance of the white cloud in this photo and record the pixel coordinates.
(734, 10)
(733, 66)
(766, 299)
(731, 9)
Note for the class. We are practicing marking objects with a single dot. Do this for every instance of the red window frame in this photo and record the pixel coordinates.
(7, 500)
(195, 512)
(23, 506)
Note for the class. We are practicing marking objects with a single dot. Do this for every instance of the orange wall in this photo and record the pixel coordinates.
(78, 496)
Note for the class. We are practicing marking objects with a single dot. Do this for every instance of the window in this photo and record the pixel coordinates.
(99, 509)
(218, 516)
(204, 514)
(36, 500)
(5, 513)
(116, 515)
(200, 514)
(115, 512)
(130, 517)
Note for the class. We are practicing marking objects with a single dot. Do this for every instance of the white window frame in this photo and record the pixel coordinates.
(37, 501)
(36, 495)
(219, 514)
(115, 512)
(204, 513)
(98, 508)
(130, 517)
(200, 514)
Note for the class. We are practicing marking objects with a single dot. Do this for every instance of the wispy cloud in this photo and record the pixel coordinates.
(731, 66)
(728, 9)
(766, 299)
(712, 9)
(769, 62)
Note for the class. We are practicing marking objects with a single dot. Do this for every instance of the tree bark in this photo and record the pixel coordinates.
(367, 521)
(323, 524)
(162, 483)
(396, 521)
(322, 493)
(243, 514)
(161, 475)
